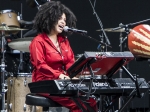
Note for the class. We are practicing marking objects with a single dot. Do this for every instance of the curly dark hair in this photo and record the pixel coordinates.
(49, 14)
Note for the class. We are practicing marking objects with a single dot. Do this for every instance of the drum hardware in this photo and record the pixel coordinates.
(130, 24)
(10, 106)
(121, 70)
(3, 71)
(31, 33)
(11, 82)
(20, 67)
(25, 22)
(25, 107)
(25, 81)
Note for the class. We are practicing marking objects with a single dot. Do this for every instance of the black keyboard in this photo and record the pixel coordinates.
(123, 86)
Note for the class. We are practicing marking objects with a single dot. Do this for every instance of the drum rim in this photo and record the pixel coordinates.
(24, 73)
(24, 76)
(21, 75)
(7, 11)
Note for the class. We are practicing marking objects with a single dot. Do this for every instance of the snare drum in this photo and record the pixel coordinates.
(16, 94)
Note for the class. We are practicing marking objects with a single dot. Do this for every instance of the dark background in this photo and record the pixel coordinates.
(110, 12)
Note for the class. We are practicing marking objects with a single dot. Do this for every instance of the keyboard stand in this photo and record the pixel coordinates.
(130, 98)
(134, 93)
(111, 104)
(90, 88)
(75, 99)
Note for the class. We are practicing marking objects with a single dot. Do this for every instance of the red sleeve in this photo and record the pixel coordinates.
(38, 58)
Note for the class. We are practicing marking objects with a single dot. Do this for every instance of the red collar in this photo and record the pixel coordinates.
(59, 37)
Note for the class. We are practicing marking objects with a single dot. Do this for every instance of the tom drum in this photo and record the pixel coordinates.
(9, 17)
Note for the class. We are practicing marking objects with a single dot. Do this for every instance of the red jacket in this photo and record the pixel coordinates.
(47, 61)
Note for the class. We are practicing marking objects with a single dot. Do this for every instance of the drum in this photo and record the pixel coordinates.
(17, 90)
(139, 41)
(9, 17)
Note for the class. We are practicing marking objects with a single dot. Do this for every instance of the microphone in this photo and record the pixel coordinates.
(67, 29)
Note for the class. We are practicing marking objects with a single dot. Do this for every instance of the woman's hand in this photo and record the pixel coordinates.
(62, 76)
(75, 78)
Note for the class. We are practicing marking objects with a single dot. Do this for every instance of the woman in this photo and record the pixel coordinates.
(51, 54)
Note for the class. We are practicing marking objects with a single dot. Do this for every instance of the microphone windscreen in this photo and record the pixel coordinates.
(66, 28)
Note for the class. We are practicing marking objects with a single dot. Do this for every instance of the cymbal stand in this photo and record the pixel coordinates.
(120, 70)
(122, 40)
(3, 71)
(20, 67)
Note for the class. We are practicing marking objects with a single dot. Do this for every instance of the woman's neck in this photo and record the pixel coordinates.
(52, 37)
(54, 40)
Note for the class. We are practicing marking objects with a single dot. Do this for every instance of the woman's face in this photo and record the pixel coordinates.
(61, 23)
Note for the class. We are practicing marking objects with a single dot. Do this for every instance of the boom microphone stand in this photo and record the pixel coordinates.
(105, 45)
(100, 23)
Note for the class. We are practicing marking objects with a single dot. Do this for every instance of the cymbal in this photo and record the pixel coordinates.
(111, 30)
(6, 28)
(21, 44)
